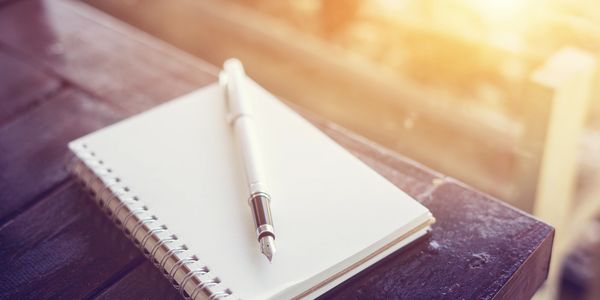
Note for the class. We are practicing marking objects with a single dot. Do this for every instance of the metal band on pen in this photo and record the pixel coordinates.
(260, 204)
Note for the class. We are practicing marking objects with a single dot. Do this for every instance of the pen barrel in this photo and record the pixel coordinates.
(261, 210)
(247, 139)
(241, 115)
(259, 199)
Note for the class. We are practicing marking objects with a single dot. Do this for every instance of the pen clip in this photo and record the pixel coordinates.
(223, 83)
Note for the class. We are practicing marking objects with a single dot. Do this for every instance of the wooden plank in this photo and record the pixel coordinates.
(145, 282)
(109, 62)
(62, 248)
(34, 147)
(569, 75)
(526, 278)
(565, 82)
(21, 86)
(469, 255)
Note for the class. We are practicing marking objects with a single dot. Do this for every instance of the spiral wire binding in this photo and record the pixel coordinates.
(106, 186)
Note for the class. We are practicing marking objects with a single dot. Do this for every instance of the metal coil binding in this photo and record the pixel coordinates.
(105, 186)
(178, 265)
(141, 224)
(159, 245)
(152, 232)
(169, 254)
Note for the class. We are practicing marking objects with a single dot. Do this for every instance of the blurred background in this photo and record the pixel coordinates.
(501, 94)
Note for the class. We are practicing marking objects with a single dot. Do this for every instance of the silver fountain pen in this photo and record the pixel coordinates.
(242, 120)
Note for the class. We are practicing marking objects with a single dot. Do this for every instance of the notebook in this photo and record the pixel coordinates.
(172, 178)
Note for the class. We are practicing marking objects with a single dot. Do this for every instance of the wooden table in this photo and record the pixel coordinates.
(67, 69)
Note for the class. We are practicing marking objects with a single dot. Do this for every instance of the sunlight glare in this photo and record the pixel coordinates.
(498, 9)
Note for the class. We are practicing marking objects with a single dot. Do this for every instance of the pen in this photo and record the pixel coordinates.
(242, 120)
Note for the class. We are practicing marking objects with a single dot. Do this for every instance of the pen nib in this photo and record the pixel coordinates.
(267, 246)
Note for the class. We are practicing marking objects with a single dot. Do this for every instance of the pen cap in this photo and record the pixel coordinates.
(237, 103)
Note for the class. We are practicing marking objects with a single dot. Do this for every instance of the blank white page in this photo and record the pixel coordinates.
(329, 209)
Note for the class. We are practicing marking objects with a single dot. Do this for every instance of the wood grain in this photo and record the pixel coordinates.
(98, 58)
(62, 248)
(34, 147)
(21, 85)
(136, 286)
